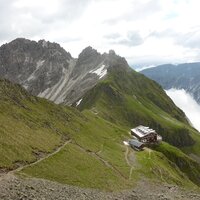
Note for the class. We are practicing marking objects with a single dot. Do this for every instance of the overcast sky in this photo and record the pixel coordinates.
(146, 32)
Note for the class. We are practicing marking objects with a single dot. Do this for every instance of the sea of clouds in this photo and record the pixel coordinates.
(186, 103)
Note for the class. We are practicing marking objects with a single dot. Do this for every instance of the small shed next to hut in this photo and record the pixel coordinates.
(135, 144)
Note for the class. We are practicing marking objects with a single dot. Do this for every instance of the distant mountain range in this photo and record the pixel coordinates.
(183, 76)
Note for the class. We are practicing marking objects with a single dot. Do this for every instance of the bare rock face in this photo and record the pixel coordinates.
(36, 66)
(46, 70)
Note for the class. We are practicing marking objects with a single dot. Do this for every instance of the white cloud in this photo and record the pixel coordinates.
(142, 67)
(147, 31)
(185, 102)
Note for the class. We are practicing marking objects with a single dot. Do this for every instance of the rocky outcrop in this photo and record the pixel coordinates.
(46, 70)
(35, 66)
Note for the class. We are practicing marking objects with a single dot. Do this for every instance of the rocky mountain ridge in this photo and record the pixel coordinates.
(46, 70)
(183, 76)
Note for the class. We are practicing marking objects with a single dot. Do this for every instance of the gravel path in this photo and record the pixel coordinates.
(7, 174)
(42, 158)
(130, 160)
(15, 188)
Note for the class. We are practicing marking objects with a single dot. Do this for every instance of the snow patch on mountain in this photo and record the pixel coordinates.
(78, 102)
(101, 72)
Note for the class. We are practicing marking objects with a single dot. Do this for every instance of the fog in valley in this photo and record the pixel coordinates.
(186, 102)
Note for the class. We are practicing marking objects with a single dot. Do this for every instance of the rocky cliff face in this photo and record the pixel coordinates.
(46, 70)
(183, 76)
(36, 66)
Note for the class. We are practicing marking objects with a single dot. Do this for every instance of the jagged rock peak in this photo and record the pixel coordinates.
(18, 42)
(41, 44)
(112, 52)
(44, 43)
(21, 40)
(51, 45)
(115, 62)
(88, 51)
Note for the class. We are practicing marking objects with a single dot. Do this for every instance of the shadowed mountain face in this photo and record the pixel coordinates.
(183, 76)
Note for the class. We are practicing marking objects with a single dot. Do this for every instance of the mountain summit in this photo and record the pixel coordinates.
(46, 70)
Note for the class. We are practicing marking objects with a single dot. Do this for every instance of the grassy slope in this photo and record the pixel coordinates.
(30, 125)
(77, 165)
(94, 158)
(185, 163)
(129, 99)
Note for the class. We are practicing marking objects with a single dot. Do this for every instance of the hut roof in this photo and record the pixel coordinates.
(142, 131)
(136, 143)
